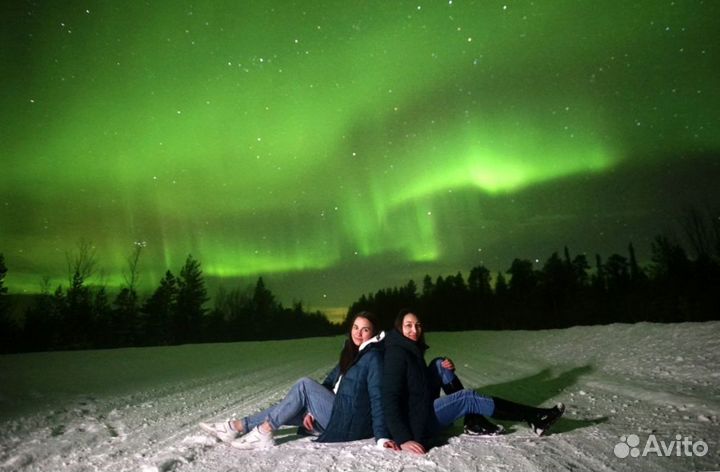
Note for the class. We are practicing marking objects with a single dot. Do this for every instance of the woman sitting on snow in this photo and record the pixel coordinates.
(347, 406)
(413, 411)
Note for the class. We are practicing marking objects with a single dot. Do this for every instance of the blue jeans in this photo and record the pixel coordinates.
(451, 407)
(306, 396)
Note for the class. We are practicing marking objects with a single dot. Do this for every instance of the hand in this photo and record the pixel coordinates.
(309, 422)
(448, 364)
(413, 447)
(391, 445)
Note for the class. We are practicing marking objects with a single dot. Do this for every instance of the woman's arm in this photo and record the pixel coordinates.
(374, 385)
(394, 395)
(332, 378)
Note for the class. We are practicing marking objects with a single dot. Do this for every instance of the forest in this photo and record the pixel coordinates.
(566, 290)
(87, 317)
(676, 285)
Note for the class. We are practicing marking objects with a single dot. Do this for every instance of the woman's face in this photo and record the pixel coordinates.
(361, 331)
(411, 327)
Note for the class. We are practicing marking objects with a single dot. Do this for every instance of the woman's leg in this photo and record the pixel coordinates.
(450, 383)
(305, 396)
(454, 406)
(249, 422)
(539, 419)
(451, 407)
(511, 411)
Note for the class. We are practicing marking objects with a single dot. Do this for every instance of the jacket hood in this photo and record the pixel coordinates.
(375, 339)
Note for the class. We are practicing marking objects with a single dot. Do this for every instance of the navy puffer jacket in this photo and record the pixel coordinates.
(407, 393)
(357, 411)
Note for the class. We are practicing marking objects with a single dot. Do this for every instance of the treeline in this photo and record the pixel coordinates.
(565, 292)
(85, 317)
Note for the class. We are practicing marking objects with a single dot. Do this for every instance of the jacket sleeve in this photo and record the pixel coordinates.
(394, 395)
(332, 378)
(374, 385)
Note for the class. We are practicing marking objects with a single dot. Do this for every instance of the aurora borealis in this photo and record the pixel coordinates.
(336, 148)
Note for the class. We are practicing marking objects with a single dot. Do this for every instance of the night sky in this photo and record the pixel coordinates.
(336, 148)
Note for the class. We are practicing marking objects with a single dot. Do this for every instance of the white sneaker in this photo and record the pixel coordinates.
(222, 431)
(255, 439)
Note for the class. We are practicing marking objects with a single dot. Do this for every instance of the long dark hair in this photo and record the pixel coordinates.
(350, 351)
(399, 322)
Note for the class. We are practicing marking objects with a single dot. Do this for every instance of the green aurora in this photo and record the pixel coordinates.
(336, 148)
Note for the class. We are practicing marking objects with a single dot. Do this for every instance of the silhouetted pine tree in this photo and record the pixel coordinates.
(453, 304)
(672, 270)
(263, 310)
(479, 282)
(501, 308)
(617, 272)
(125, 315)
(580, 267)
(215, 327)
(428, 286)
(8, 328)
(102, 314)
(637, 275)
(237, 308)
(158, 312)
(41, 330)
(522, 290)
(702, 233)
(191, 298)
(556, 284)
(125, 322)
(77, 323)
(598, 281)
(481, 305)
(501, 286)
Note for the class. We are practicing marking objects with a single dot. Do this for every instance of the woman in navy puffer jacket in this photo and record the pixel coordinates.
(357, 411)
(413, 411)
(346, 407)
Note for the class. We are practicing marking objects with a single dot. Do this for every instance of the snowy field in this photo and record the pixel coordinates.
(138, 409)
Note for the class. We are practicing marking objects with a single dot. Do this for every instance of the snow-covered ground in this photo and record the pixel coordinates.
(138, 409)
